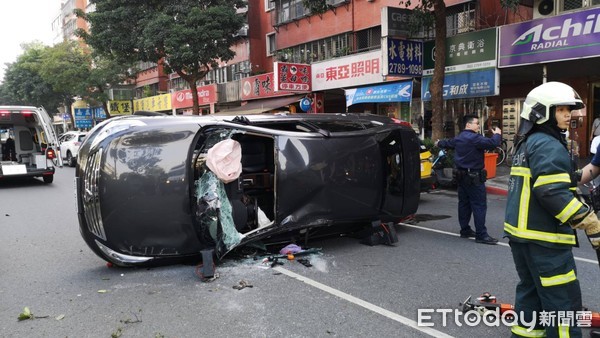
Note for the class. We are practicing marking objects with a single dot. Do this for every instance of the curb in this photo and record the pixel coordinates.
(496, 190)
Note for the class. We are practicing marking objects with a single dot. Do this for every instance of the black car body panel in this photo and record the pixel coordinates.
(145, 194)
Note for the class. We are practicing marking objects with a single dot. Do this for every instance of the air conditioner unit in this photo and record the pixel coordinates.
(544, 8)
(243, 32)
(335, 2)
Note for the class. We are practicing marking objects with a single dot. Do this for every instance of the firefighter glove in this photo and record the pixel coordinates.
(588, 222)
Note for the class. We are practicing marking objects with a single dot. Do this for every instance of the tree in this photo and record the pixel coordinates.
(189, 36)
(69, 68)
(437, 9)
(24, 85)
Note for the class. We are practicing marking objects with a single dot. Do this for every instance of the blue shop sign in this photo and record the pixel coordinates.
(404, 57)
(99, 113)
(466, 84)
(394, 92)
(83, 118)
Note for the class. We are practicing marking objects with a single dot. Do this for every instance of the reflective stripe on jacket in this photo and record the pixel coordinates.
(541, 197)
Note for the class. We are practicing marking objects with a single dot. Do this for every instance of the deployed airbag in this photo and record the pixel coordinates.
(225, 160)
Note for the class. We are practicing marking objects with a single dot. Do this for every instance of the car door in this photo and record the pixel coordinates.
(64, 144)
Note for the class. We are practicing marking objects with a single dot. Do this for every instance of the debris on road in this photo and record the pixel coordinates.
(242, 284)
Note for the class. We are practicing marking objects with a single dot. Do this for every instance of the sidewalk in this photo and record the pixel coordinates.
(499, 184)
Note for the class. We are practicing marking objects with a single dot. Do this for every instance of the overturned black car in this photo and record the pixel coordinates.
(145, 194)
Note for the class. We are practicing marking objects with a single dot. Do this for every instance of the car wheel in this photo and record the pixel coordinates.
(70, 159)
(48, 178)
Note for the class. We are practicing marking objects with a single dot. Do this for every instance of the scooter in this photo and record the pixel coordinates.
(443, 175)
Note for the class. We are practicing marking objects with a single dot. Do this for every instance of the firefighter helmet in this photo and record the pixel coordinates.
(540, 100)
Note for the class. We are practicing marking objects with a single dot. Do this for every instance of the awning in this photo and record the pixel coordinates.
(262, 105)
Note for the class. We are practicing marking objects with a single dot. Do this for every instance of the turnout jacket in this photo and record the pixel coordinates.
(541, 194)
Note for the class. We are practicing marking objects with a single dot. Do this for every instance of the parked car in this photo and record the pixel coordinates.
(28, 143)
(69, 146)
(146, 195)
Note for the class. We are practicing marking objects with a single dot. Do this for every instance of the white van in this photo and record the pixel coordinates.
(28, 143)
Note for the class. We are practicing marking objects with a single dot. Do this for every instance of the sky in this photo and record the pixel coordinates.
(24, 21)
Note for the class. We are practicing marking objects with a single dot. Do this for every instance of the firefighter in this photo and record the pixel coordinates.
(542, 212)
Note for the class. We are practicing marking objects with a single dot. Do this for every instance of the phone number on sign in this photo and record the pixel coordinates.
(403, 69)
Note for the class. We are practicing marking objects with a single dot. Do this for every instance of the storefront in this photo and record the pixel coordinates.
(559, 48)
(258, 95)
(471, 80)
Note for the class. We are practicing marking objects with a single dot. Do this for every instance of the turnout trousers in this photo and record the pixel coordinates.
(548, 293)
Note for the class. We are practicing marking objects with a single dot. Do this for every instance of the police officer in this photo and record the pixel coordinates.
(541, 213)
(469, 148)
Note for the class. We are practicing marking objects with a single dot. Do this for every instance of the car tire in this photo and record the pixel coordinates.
(70, 159)
(48, 179)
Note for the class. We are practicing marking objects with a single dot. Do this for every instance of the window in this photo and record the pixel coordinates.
(368, 39)
(271, 46)
(288, 10)
(460, 19)
(269, 5)
(568, 5)
(325, 49)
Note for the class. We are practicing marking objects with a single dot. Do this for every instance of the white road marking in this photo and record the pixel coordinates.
(499, 243)
(362, 303)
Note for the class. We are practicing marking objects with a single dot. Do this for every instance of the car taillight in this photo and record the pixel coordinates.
(50, 154)
(77, 143)
(401, 122)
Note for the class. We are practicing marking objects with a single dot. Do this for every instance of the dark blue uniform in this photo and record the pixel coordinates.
(469, 149)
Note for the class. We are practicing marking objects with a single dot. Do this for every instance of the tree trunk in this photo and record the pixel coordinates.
(195, 105)
(105, 107)
(191, 80)
(437, 82)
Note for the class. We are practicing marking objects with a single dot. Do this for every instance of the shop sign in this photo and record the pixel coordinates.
(98, 113)
(467, 84)
(153, 103)
(292, 77)
(349, 71)
(397, 21)
(183, 98)
(403, 58)
(119, 107)
(563, 37)
(83, 118)
(468, 51)
(260, 87)
(393, 92)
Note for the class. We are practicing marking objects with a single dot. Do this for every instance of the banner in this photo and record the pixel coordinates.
(393, 92)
